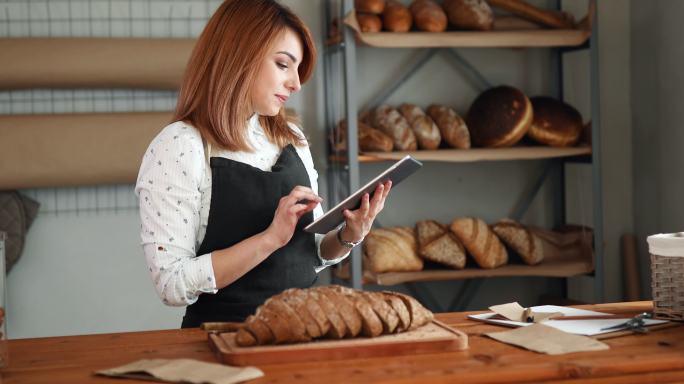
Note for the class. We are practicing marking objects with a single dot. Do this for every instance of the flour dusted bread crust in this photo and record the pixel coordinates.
(425, 129)
(499, 117)
(390, 122)
(392, 250)
(364, 313)
(428, 16)
(555, 123)
(480, 241)
(521, 240)
(469, 14)
(452, 127)
(436, 243)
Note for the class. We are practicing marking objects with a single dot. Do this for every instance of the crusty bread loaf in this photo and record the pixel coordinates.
(521, 240)
(499, 117)
(396, 17)
(427, 231)
(423, 126)
(428, 16)
(369, 6)
(369, 22)
(480, 241)
(451, 126)
(392, 250)
(366, 313)
(554, 19)
(555, 123)
(469, 14)
(390, 122)
(369, 138)
(447, 250)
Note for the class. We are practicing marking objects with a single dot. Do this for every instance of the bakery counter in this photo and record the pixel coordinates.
(654, 357)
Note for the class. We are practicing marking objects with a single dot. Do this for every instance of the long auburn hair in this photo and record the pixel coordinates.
(214, 94)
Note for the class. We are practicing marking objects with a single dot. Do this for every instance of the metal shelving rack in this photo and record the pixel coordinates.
(343, 174)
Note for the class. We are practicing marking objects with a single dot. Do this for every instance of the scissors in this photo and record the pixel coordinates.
(635, 324)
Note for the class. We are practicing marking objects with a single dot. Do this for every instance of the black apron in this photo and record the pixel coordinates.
(243, 202)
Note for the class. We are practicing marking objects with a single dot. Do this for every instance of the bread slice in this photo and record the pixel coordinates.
(521, 240)
(337, 328)
(371, 325)
(244, 338)
(389, 318)
(499, 117)
(277, 323)
(290, 317)
(297, 299)
(447, 250)
(427, 231)
(418, 314)
(347, 311)
(392, 249)
(400, 308)
(254, 332)
(480, 241)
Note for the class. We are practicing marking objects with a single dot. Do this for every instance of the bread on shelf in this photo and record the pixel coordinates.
(480, 241)
(391, 250)
(469, 14)
(426, 131)
(437, 244)
(428, 16)
(555, 123)
(396, 17)
(499, 117)
(389, 121)
(452, 127)
(521, 240)
(369, 22)
(369, 6)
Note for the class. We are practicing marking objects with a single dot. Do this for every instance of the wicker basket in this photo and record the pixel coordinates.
(667, 275)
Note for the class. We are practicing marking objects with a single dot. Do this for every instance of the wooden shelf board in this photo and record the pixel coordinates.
(471, 39)
(555, 268)
(479, 154)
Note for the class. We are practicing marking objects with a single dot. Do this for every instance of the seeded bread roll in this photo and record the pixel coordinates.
(390, 122)
(425, 129)
(369, 22)
(392, 250)
(480, 241)
(428, 16)
(555, 123)
(469, 14)
(499, 117)
(396, 17)
(369, 6)
(453, 129)
(521, 240)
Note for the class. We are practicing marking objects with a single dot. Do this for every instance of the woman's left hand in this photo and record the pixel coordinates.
(359, 222)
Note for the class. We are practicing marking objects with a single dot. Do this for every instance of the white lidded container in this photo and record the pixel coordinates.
(667, 275)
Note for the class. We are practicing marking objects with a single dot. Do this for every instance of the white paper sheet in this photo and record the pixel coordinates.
(578, 327)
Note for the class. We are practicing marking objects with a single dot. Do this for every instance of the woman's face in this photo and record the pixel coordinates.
(277, 78)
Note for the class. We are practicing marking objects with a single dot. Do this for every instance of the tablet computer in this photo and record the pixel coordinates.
(334, 217)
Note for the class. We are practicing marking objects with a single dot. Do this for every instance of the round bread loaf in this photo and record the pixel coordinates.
(469, 14)
(555, 123)
(499, 117)
(369, 22)
(396, 17)
(370, 6)
(428, 16)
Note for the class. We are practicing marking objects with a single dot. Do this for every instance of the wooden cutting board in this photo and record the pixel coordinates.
(433, 337)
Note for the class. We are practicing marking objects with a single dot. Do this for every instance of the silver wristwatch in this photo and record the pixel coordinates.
(345, 243)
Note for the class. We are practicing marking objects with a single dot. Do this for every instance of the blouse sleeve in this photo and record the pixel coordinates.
(168, 188)
(304, 153)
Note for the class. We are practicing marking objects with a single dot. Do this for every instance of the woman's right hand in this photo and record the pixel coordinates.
(290, 209)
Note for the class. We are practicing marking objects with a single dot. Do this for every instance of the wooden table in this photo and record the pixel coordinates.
(654, 357)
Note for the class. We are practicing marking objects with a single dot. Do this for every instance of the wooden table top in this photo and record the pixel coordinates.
(654, 357)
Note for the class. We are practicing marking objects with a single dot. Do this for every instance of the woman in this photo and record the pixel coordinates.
(226, 189)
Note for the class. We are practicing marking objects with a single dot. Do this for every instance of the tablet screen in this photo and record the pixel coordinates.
(334, 217)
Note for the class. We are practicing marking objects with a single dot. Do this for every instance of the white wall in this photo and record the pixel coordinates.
(86, 274)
